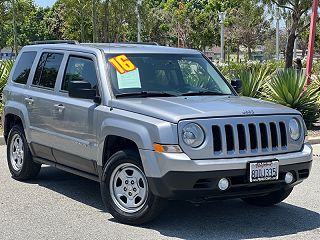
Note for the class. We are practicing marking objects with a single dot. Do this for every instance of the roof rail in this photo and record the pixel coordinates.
(54, 42)
(141, 43)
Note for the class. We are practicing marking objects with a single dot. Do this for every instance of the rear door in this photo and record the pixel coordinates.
(39, 98)
(74, 120)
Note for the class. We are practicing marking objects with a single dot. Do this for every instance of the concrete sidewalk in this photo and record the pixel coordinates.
(316, 150)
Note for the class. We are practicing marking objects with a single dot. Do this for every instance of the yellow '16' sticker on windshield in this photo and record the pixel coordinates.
(122, 64)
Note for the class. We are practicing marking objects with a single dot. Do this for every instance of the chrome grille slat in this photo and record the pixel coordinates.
(258, 138)
(236, 143)
(223, 139)
(269, 137)
(279, 135)
(248, 141)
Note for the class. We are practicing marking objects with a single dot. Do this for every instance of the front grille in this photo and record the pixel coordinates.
(244, 138)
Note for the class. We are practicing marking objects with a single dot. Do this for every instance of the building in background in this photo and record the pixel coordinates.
(7, 53)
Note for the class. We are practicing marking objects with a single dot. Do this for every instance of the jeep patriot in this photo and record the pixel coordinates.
(149, 123)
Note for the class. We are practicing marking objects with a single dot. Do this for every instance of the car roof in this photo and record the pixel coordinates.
(116, 48)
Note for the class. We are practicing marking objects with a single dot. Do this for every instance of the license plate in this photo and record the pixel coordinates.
(264, 171)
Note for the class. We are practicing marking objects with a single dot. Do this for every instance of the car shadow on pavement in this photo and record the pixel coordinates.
(75, 187)
(233, 219)
(229, 219)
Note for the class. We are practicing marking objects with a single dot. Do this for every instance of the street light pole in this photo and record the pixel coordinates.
(222, 16)
(277, 33)
(15, 40)
(94, 21)
(139, 2)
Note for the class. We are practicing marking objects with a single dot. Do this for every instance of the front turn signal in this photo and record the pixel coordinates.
(166, 148)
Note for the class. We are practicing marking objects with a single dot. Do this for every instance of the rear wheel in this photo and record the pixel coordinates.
(125, 191)
(270, 199)
(20, 162)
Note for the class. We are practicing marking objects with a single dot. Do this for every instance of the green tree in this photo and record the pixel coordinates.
(247, 26)
(295, 13)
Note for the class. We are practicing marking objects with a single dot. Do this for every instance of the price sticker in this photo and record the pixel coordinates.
(122, 64)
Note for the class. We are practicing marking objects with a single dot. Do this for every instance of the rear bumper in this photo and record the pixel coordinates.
(199, 185)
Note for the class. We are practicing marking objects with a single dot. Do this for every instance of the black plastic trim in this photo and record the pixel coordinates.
(183, 185)
(67, 169)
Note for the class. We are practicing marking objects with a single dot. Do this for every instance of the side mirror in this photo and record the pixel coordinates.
(236, 84)
(81, 89)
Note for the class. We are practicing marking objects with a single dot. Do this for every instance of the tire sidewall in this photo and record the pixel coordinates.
(117, 159)
(17, 129)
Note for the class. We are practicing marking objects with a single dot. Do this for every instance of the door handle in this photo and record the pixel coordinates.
(29, 100)
(59, 107)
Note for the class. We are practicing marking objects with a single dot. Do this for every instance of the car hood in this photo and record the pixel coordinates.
(174, 109)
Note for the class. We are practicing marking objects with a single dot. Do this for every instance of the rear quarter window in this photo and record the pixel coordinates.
(22, 70)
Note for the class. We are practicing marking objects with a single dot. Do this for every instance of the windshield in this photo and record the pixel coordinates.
(146, 75)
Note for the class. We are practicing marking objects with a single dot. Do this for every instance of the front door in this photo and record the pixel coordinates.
(74, 119)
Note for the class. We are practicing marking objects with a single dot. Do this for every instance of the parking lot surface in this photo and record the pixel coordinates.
(59, 205)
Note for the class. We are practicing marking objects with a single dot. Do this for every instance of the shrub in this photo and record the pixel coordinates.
(5, 68)
(253, 80)
(232, 70)
(287, 88)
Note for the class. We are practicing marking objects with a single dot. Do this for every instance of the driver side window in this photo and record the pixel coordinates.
(79, 69)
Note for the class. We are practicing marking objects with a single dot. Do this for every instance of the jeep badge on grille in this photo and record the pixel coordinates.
(248, 112)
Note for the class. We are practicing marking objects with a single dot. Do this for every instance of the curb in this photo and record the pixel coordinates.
(2, 142)
(314, 140)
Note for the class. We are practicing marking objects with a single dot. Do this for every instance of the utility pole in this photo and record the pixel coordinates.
(15, 40)
(222, 16)
(94, 21)
(139, 3)
(277, 33)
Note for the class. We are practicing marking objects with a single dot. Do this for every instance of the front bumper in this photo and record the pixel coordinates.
(199, 185)
(174, 176)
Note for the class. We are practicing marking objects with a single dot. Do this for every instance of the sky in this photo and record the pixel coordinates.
(45, 3)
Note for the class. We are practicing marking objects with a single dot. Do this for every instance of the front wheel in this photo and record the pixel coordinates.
(125, 190)
(270, 199)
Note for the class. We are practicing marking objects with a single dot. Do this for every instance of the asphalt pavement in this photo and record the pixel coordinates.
(59, 205)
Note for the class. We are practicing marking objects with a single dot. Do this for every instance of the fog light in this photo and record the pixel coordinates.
(223, 184)
(288, 178)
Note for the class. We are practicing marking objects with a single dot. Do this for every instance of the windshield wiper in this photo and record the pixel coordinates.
(199, 93)
(146, 94)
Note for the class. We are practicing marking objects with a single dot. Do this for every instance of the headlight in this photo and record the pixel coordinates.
(193, 135)
(294, 129)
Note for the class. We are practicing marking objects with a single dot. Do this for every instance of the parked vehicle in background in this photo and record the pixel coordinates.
(149, 123)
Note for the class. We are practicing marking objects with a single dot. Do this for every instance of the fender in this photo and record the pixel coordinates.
(20, 110)
(132, 131)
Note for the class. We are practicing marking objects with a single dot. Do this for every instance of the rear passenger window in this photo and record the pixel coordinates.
(21, 73)
(47, 70)
(79, 69)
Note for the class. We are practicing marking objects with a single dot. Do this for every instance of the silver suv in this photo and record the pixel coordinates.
(149, 123)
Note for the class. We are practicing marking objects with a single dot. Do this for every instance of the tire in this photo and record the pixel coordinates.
(20, 162)
(270, 199)
(117, 178)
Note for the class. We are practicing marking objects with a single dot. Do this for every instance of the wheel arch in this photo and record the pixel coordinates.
(115, 143)
(13, 116)
(122, 135)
